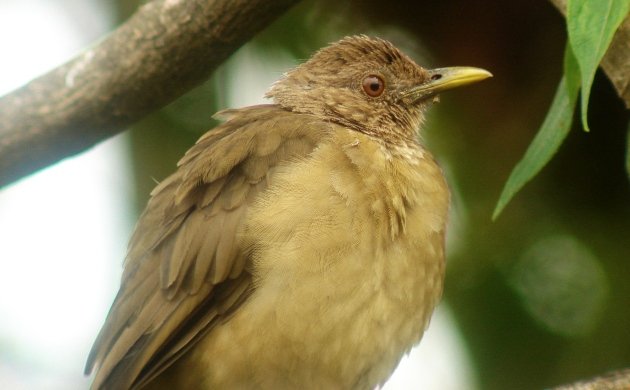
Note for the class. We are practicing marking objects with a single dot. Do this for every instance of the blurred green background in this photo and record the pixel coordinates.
(541, 295)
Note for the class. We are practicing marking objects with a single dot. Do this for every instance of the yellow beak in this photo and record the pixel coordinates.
(442, 79)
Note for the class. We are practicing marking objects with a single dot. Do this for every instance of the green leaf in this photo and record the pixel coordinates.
(552, 132)
(628, 151)
(591, 26)
(571, 73)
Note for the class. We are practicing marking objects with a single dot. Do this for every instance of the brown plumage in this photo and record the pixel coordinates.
(299, 244)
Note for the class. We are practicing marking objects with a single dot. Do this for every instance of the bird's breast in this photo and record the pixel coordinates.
(348, 253)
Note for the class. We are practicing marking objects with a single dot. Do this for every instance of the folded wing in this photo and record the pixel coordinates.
(185, 268)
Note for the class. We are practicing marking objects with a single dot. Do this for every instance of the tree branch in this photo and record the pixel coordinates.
(616, 380)
(616, 62)
(166, 48)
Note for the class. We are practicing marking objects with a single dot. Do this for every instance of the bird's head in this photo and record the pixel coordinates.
(367, 84)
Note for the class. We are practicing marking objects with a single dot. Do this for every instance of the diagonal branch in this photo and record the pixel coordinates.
(166, 48)
(616, 62)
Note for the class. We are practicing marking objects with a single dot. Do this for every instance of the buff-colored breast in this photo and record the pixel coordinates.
(348, 263)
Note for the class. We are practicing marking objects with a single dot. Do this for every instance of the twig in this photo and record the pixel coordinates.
(616, 380)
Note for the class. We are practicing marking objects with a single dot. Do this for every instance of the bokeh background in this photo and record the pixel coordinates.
(537, 298)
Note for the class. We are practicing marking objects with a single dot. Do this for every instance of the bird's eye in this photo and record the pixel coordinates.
(373, 85)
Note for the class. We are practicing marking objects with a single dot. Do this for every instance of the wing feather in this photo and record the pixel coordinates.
(227, 248)
(186, 248)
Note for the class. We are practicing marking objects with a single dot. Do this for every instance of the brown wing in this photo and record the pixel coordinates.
(185, 268)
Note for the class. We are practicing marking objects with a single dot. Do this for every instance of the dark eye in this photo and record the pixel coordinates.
(373, 85)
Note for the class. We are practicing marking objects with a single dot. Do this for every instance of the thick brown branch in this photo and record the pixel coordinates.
(616, 62)
(163, 50)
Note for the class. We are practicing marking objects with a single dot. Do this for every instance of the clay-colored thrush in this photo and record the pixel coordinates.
(299, 244)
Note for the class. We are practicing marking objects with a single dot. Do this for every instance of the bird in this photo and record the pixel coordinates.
(300, 244)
